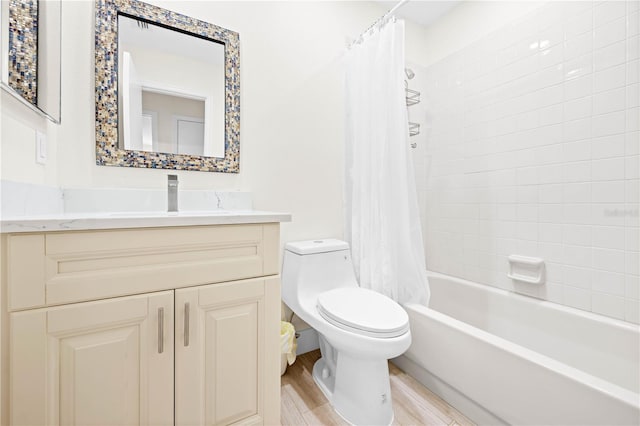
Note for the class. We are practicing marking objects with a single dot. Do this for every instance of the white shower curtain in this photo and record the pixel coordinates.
(382, 223)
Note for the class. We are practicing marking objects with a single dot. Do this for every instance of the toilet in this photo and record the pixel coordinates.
(359, 329)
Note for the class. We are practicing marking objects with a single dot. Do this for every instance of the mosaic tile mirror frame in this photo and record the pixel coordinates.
(108, 150)
(30, 64)
(23, 48)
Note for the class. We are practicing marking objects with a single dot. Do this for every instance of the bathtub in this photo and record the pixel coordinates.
(502, 358)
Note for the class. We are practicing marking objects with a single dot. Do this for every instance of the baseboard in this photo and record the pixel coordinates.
(468, 407)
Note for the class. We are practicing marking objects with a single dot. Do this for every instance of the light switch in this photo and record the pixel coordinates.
(41, 147)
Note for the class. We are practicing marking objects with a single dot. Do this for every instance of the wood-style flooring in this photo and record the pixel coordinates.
(304, 404)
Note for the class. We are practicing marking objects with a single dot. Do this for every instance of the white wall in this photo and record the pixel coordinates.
(533, 150)
(468, 22)
(18, 126)
(292, 110)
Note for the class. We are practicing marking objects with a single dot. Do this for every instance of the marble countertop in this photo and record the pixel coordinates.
(120, 220)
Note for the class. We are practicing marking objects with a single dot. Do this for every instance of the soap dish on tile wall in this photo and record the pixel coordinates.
(526, 269)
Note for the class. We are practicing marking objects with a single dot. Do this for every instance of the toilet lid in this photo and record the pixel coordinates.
(363, 311)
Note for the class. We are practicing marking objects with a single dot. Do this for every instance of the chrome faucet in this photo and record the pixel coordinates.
(172, 193)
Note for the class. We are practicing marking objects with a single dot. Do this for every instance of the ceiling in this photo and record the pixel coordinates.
(423, 12)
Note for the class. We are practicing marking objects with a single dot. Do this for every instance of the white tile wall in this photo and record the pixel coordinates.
(419, 147)
(532, 147)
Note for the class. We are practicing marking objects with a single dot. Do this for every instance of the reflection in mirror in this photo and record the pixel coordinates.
(159, 109)
(167, 90)
(31, 36)
(180, 119)
(167, 123)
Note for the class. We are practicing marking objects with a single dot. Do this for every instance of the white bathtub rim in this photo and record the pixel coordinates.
(512, 315)
(601, 386)
(591, 316)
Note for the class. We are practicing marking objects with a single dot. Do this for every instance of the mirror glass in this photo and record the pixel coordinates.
(167, 90)
(31, 37)
(171, 90)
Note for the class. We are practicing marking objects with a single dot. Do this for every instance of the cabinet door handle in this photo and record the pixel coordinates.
(186, 324)
(160, 330)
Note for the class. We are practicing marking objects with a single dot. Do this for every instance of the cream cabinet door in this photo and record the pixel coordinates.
(108, 362)
(227, 351)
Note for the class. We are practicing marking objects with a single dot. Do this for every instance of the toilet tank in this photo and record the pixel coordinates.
(312, 267)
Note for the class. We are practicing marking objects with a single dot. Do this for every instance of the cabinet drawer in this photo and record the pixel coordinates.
(63, 267)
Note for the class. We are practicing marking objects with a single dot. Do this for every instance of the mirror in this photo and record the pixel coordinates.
(30, 52)
(167, 90)
(159, 109)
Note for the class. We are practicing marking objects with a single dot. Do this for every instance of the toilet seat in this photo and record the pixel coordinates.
(363, 311)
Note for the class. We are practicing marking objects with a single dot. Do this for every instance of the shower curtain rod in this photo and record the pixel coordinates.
(380, 19)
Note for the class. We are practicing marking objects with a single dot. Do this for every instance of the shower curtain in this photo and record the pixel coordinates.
(382, 218)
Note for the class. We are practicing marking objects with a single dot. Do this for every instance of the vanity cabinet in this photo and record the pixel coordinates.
(95, 363)
(154, 326)
(219, 346)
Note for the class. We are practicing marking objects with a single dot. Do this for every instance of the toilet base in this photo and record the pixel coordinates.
(358, 389)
